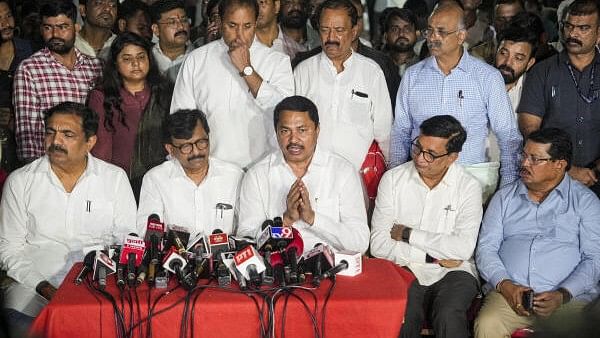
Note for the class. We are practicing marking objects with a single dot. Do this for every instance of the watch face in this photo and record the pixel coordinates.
(248, 71)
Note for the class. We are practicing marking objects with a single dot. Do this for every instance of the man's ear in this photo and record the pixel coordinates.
(169, 149)
(155, 29)
(530, 63)
(277, 4)
(121, 24)
(82, 10)
(91, 142)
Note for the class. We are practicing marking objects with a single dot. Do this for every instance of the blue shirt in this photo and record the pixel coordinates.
(547, 245)
(474, 94)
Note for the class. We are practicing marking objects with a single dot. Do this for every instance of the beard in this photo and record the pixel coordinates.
(512, 76)
(400, 46)
(60, 46)
(294, 20)
(7, 34)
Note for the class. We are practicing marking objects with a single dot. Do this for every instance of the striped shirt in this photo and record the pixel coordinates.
(474, 94)
(40, 83)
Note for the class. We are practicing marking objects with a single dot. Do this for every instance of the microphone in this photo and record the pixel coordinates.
(293, 249)
(223, 275)
(274, 237)
(317, 260)
(333, 271)
(178, 237)
(103, 266)
(262, 241)
(268, 273)
(174, 262)
(154, 229)
(278, 270)
(218, 242)
(132, 253)
(250, 264)
(88, 265)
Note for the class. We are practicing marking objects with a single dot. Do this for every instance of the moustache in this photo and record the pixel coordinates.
(55, 148)
(402, 39)
(507, 69)
(294, 145)
(8, 30)
(55, 41)
(332, 43)
(434, 44)
(573, 40)
(181, 33)
(196, 157)
(295, 12)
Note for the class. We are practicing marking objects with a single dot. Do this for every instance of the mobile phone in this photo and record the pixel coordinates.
(527, 300)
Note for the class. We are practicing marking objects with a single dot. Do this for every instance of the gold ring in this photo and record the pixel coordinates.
(519, 306)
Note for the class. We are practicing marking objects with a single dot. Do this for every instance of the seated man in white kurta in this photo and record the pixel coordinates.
(192, 190)
(317, 192)
(56, 208)
(427, 217)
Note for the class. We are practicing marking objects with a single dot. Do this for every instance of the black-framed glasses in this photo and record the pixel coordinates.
(534, 160)
(417, 150)
(441, 33)
(187, 148)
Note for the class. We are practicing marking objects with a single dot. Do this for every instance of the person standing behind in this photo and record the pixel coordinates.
(132, 101)
(172, 27)
(134, 16)
(453, 81)
(236, 81)
(99, 17)
(57, 73)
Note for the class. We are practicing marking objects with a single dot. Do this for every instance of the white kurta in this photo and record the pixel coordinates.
(168, 192)
(354, 105)
(445, 220)
(241, 126)
(335, 195)
(44, 229)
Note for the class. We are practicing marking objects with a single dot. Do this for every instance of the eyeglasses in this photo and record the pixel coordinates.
(534, 160)
(187, 148)
(441, 33)
(417, 150)
(172, 22)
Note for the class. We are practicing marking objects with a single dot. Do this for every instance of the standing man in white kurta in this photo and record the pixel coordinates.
(427, 217)
(236, 81)
(349, 89)
(57, 207)
(192, 189)
(315, 191)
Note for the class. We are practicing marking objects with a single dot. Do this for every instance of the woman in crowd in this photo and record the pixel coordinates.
(132, 101)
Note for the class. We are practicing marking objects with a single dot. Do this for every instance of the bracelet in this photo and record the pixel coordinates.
(41, 286)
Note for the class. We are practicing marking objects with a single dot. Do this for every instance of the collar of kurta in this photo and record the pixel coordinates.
(90, 169)
(319, 158)
(329, 64)
(449, 179)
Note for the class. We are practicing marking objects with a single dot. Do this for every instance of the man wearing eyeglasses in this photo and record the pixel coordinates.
(171, 26)
(96, 35)
(193, 189)
(564, 90)
(539, 234)
(426, 218)
(454, 82)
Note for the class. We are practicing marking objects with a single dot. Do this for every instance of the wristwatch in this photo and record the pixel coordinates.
(247, 71)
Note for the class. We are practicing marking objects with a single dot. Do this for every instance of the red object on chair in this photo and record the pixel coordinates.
(372, 169)
(3, 176)
(522, 333)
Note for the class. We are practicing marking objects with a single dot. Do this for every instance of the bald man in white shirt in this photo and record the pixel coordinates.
(427, 216)
(317, 192)
(57, 207)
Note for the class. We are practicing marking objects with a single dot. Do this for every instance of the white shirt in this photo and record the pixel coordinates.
(349, 123)
(87, 49)
(492, 149)
(445, 220)
(167, 67)
(335, 194)
(241, 126)
(44, 229)
(168, 192)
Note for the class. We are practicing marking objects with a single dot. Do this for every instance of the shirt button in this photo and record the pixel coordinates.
(580, 119)
(579, 142)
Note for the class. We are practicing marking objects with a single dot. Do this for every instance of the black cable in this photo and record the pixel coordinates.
(130, 303)
(139, 310)
(284, 312)
(184, 315)
(311, 315)
(119, 323)
(193, 315)
(261, 318)
(329, 292)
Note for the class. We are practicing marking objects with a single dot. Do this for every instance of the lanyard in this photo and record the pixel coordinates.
(590, 96)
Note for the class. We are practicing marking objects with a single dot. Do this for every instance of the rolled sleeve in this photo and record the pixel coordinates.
(279, 86)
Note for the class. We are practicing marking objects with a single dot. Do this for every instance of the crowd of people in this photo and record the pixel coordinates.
(455, 138)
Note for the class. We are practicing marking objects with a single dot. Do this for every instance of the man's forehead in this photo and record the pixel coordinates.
(538, 148)
(581, 19)
(396, 20)
(443, 19)
(172, 13)
(59, 19)
(517, 46)
(65, 121)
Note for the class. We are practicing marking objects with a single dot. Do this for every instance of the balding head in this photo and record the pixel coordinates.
(451, 10)
(446, 31)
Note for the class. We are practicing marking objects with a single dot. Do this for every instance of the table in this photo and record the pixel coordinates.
(369, 305)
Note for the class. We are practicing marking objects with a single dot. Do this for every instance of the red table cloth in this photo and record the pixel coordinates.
(368, 305)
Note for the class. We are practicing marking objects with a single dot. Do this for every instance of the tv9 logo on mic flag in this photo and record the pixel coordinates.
(282, 232)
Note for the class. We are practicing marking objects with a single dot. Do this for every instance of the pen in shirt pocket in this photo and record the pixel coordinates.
(359, 94)
(460, 98)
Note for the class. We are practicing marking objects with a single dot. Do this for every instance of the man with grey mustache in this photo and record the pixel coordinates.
(453, 82)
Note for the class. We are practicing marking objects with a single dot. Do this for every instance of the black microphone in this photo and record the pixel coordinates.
(333, 271)
(88, 266)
